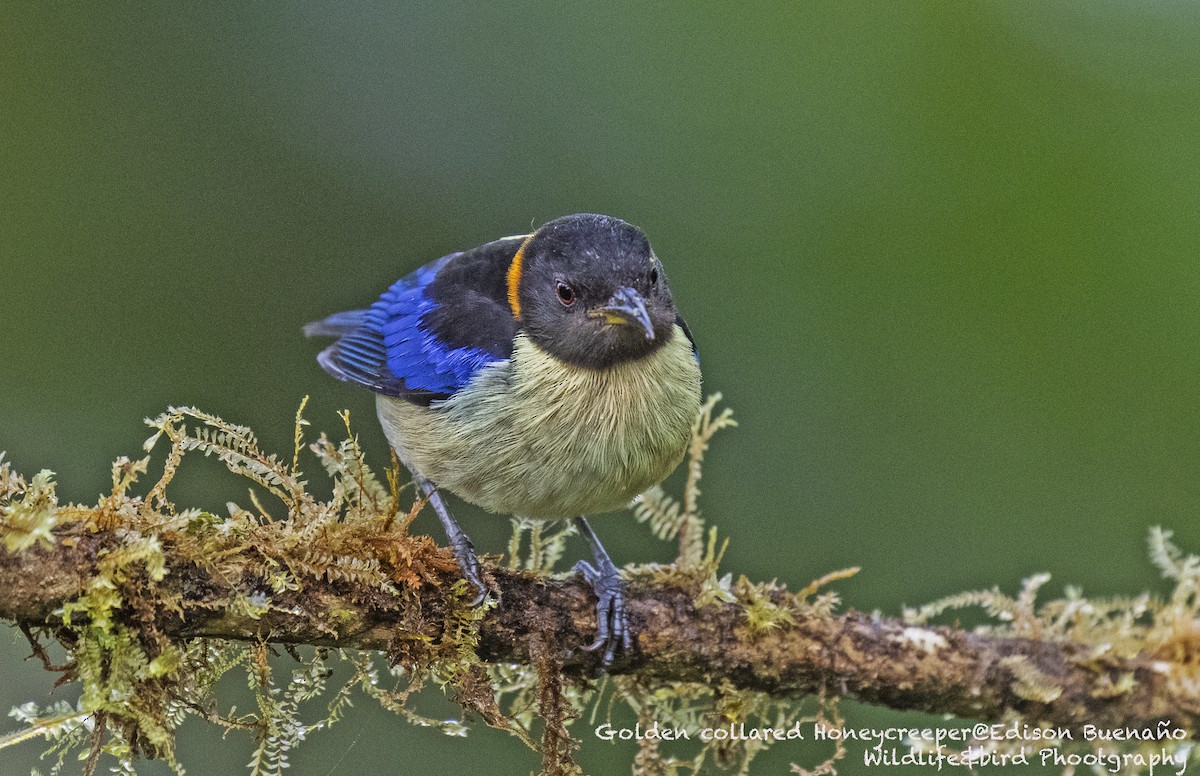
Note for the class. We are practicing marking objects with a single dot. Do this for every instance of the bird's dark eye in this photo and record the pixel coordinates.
(654, 276)
(566, 294)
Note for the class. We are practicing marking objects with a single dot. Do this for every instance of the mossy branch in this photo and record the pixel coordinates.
(143, 595)
(878, 660)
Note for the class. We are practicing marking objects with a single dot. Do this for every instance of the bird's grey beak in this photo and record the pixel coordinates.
(626, 308)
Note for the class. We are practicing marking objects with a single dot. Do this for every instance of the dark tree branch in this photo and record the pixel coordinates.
(878, 660)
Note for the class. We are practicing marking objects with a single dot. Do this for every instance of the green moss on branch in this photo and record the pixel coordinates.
(154, 604)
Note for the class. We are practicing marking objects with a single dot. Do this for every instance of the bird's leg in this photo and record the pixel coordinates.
(612, 628)
(464, 551)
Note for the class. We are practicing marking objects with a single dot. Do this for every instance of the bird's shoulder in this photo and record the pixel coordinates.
(432, 330)
(682, 324)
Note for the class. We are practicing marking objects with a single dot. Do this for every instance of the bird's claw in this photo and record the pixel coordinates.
(612, 624)
(473, 574)
(468, 564)
(464, 551)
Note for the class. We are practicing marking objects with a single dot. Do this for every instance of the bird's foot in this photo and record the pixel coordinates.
(464, 551)
(471, 570)
(612, 625)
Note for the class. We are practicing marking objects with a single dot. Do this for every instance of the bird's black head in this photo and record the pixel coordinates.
(589, 290)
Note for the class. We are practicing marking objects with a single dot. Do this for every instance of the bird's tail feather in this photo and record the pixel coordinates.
(337, 324)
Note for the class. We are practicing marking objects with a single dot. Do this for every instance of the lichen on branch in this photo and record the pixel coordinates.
(154, 604)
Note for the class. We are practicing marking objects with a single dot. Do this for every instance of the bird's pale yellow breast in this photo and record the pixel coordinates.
(536, 437)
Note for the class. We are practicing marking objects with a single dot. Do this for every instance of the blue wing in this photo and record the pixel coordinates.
(430, 332)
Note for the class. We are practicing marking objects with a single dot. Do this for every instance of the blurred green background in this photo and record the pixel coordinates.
(941, 258)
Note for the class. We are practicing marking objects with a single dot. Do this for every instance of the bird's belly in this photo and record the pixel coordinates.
(538, 438)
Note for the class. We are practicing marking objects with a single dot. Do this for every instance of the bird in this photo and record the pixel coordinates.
(546, 375)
